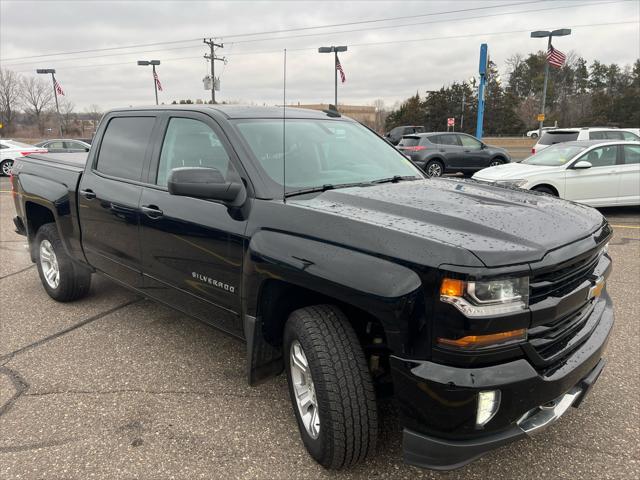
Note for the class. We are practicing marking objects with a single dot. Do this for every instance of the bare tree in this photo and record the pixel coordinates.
(10, 98)
(38, 99)
(94, 112)
(67, 115)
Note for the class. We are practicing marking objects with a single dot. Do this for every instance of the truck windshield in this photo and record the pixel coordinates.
(321, 153)
(555, 155)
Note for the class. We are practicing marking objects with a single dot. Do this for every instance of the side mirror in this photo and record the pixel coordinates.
(483, 146)
(207, 183)
(582, 165)
(86, 149)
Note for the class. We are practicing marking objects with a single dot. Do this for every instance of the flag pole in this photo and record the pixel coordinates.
(55, 94)
(335, 77)
(155, 83)
(544, 88)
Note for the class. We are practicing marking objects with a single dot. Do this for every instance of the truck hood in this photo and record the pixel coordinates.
(514, 171)
(500, 226)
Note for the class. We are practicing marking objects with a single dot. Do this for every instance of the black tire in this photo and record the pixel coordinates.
(5, 167)
(74, 281)
(343, 388)
(534, 135)
(434, 168)
(496, 161)
(546, 190)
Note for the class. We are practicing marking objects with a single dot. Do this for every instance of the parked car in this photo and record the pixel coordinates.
(597, 173)
(395, 135)
(10, 150)
(587, 133)
(535, 133)
(438, 153)
(357, 274)
(64, 146)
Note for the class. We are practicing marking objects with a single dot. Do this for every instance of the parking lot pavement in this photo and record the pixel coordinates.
(115, 386)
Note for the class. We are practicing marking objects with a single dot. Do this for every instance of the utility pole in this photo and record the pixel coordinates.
(212, 57)
(462, 112)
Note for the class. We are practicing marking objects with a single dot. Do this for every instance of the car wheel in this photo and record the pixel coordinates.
(63, 280)
(5, 167)
(534, 135)
(495, 162)
(330, 387)
(434, 168)
(546, 190)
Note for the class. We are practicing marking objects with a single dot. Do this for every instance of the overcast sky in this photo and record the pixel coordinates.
(400, 60)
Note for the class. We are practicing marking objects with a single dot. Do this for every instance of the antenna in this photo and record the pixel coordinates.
(284, 116)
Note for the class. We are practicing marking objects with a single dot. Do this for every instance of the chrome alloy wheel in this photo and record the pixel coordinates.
(304, 390)
(6, 167)
(49, 264)
(434, 170)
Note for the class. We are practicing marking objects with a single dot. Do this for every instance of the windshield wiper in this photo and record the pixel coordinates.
(324, 188)
(395, 179)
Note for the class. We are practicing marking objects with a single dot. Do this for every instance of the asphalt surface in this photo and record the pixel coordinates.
(118, 387)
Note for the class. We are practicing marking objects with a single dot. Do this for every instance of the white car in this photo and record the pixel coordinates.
(560, 135)
(534, 133)
(10, 149)
(597, 173)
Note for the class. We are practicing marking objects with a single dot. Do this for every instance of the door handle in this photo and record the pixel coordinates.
(88, 194)
(152, 211)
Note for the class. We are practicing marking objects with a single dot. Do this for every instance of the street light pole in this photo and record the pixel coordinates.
(547, 34)
(153, 64)
(52, 71)
(334, 50)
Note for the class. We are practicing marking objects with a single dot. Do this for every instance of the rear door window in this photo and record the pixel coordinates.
(631, 154)
(449, 139)
(555, 136)
(124, 145)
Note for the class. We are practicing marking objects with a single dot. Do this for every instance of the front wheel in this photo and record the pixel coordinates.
(5, 167)
(434, 168)
(534, 135)
(330, 387)
(63, 280)
(495, 162)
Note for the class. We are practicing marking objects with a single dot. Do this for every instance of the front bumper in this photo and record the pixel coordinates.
(438, 403)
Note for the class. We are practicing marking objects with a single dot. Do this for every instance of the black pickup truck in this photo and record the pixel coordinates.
(482, 310)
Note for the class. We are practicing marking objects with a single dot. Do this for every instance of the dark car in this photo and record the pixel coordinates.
(395, 135)
(64, 146)
(440, 152)
(350, 271)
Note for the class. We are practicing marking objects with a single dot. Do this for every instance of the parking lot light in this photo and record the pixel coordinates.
(153, 64)
(334, 50)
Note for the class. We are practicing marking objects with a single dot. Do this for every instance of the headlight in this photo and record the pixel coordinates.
(512, 183)
(481, 298)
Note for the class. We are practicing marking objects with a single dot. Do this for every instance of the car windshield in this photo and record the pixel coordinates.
(321, 153)
(555, 155)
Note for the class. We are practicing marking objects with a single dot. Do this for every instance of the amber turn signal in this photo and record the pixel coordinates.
(452, 287)
(474, 341)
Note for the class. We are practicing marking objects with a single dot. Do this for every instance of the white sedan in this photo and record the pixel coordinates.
(10, 150)
(595, 172)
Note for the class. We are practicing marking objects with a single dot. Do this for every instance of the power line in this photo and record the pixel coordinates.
(323, 33)
(378, 20)
(367, 44)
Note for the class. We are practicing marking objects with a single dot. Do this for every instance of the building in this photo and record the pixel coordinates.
(362, 113)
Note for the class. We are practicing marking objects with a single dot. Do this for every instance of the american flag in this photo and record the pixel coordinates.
(158, 84)
(343, 78)
(57, 87)
(555, 57)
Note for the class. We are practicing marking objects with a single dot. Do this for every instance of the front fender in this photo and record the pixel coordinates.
(388, 291)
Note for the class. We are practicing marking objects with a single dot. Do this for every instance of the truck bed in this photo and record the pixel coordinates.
(77, 160)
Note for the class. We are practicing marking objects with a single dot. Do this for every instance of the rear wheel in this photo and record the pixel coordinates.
(330, 387)
(434, 168)
(63, 280)
(5, 167)
(495, 162)
(534, 135)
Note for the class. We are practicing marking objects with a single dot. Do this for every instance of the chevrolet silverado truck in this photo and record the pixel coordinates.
(482, 310)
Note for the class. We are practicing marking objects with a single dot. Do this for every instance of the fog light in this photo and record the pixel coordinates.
(488, 404)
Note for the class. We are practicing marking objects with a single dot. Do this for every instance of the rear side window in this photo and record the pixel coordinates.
(606, 135)
(409, 142)
(631, 154)
(123, 147)
(554, 136)
(630, 136)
